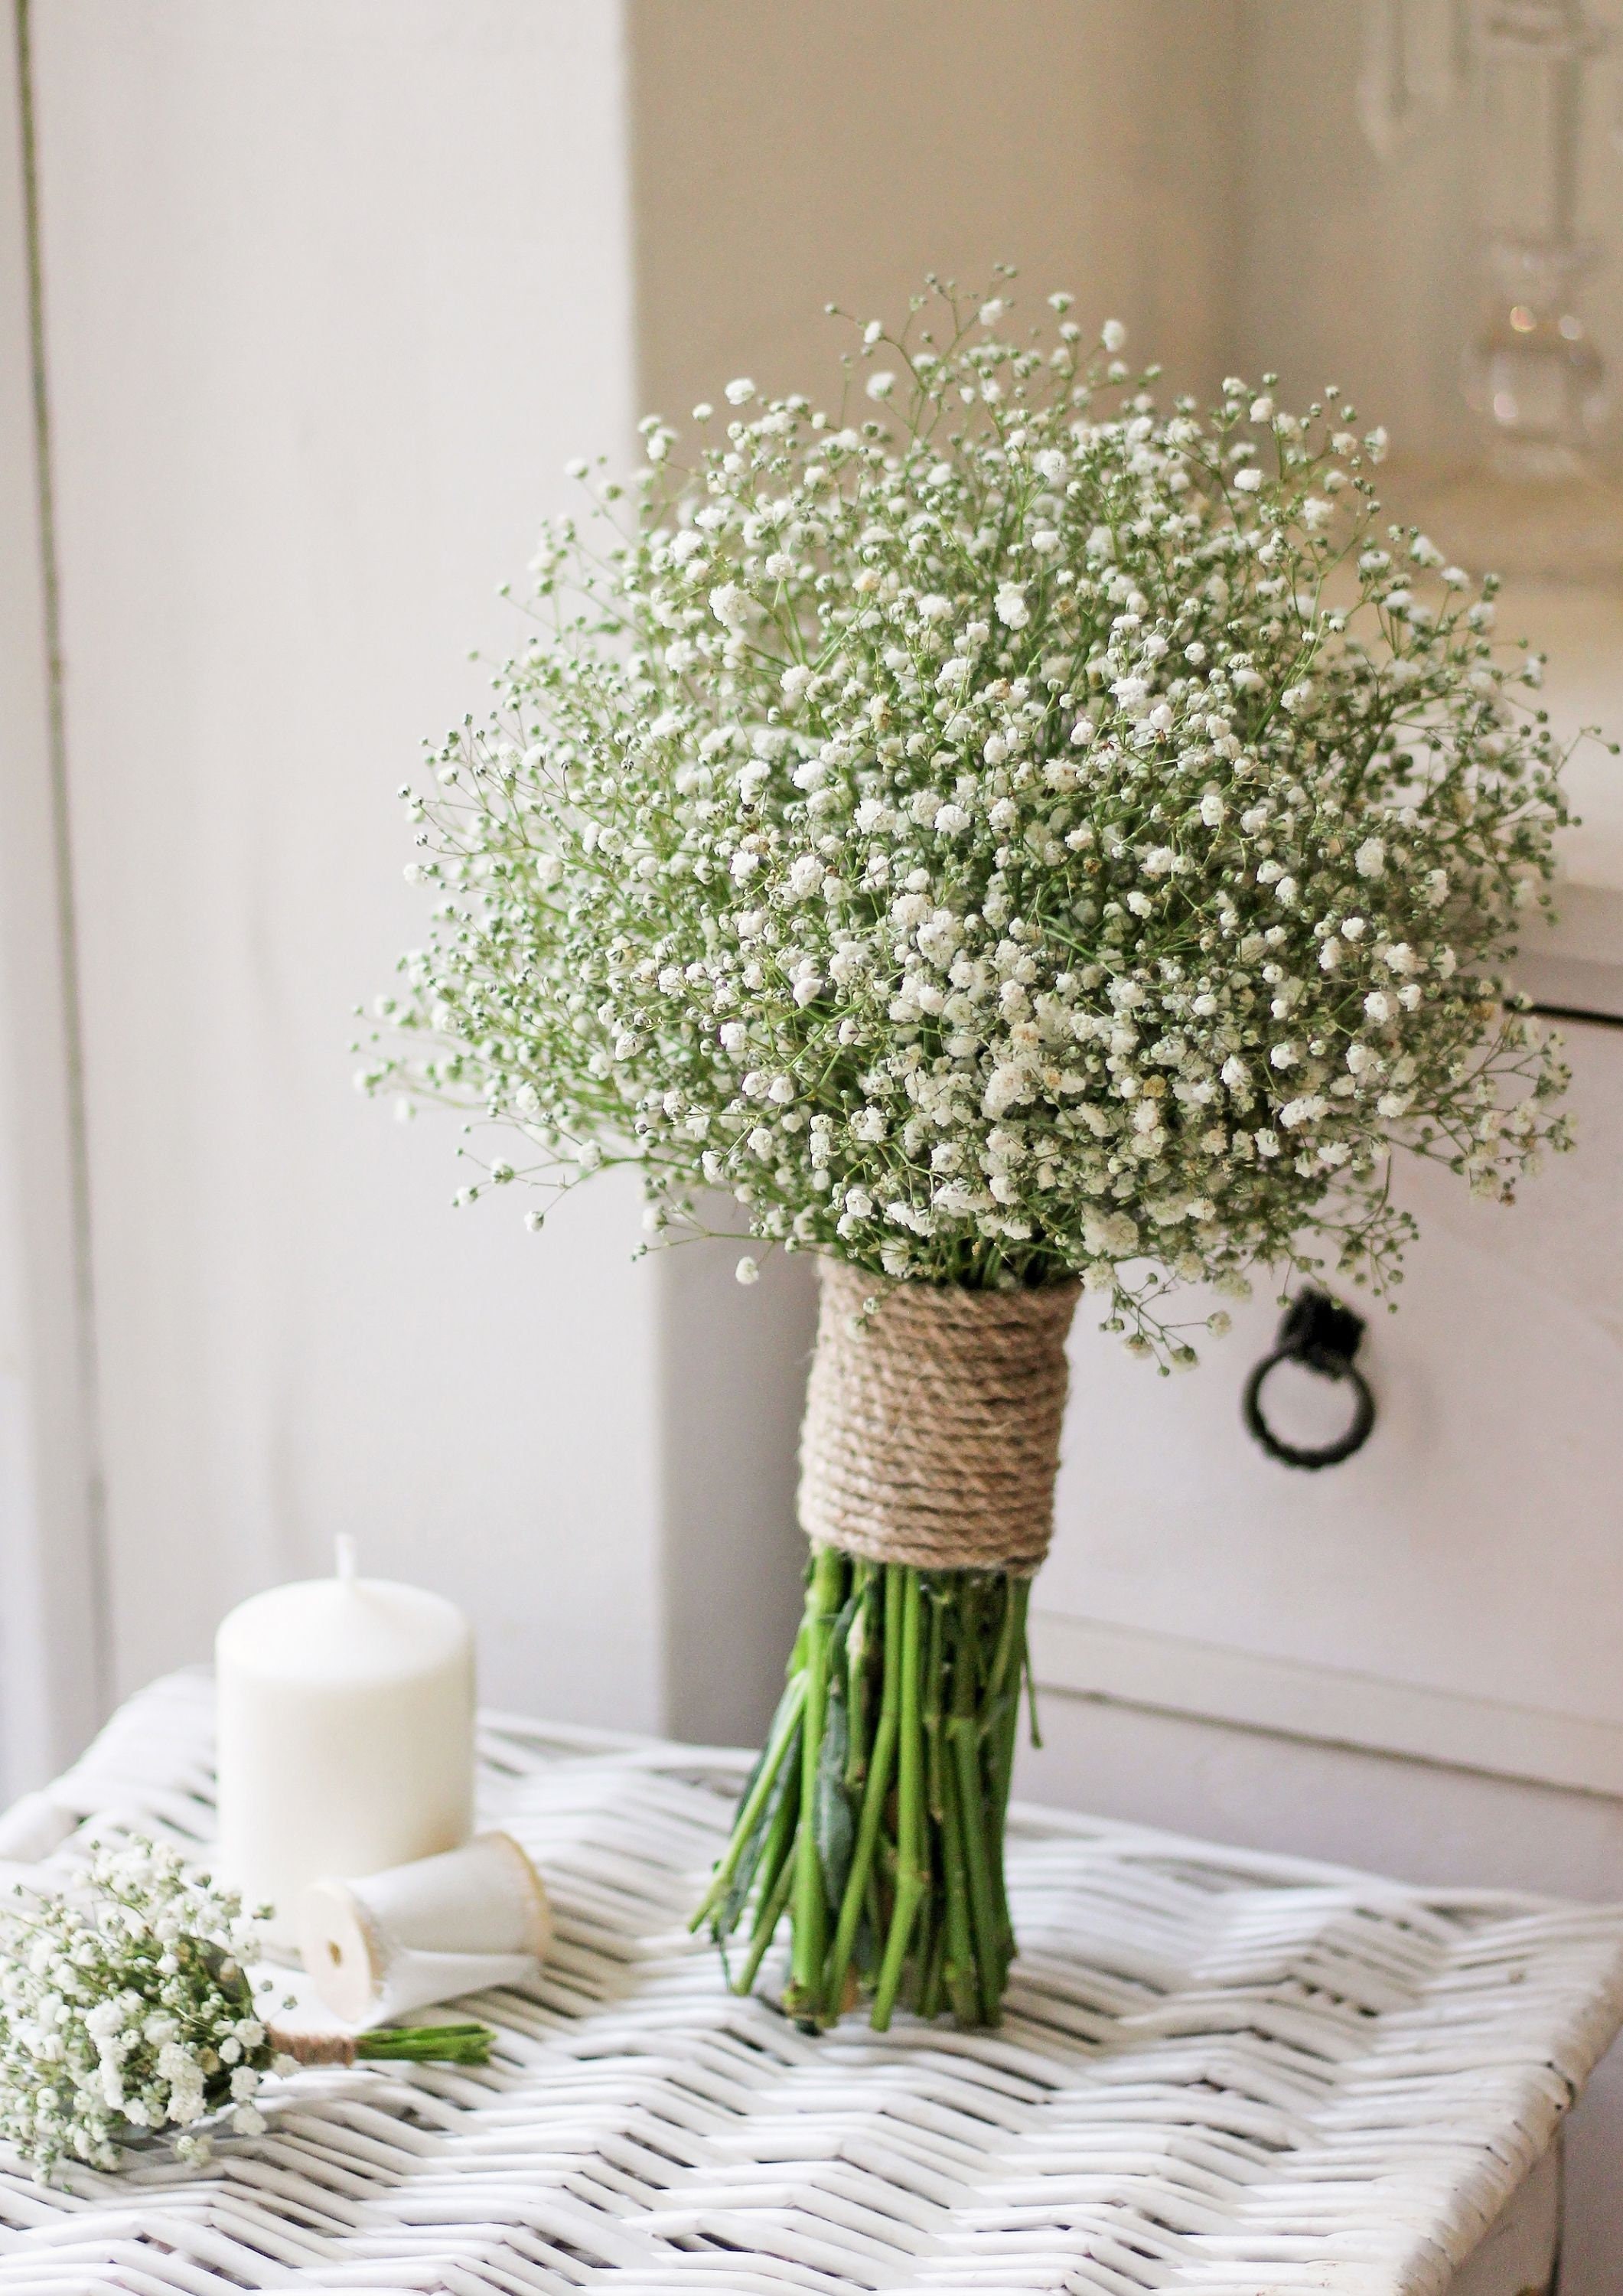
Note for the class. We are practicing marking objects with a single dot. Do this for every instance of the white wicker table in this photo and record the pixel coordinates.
(1219, 2072)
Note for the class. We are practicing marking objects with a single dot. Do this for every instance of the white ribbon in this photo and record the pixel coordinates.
(471, 1918)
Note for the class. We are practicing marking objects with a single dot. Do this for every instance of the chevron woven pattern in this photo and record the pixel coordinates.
(1218, 2072)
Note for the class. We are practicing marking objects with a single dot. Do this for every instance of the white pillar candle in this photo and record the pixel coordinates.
(345, 1734)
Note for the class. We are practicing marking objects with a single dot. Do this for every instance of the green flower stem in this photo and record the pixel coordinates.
(935, 1634)
(875, 1819)
(912, 1874)
(962, 1738)
(424, 2045)
(774, 1876)
(1025, 1667)
(822, 1602)
(869, 1579)
(768, 1914)
(785, 1733)
(1003, 1724)
(932, 1968)
(881, 1762)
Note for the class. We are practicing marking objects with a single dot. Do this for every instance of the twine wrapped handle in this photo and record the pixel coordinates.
(931, 1434)
(313, 2048)
(411, 2045)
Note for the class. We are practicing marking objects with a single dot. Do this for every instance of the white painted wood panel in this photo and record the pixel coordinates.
(1473, 1548)
(1168, 1674)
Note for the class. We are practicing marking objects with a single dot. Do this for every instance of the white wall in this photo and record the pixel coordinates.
(52, 1670)
(334, 290)
(792, 157)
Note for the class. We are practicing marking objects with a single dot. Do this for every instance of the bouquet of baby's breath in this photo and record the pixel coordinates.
(1015, 838)
(127, 2011)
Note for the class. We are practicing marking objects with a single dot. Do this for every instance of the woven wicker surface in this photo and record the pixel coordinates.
(1219, 2072)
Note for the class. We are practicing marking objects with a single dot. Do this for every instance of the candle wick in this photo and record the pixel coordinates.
(344, 1549)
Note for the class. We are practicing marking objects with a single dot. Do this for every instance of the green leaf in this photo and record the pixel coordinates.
(833, 1819)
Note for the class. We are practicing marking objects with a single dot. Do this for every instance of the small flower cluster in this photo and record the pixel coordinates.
(125, 2007)
(1004, 832)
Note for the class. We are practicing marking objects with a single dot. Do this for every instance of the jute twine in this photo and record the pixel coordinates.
(931, 1434)
(313, 2048)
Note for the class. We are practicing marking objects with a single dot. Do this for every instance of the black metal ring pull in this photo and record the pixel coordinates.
(1319, 1333)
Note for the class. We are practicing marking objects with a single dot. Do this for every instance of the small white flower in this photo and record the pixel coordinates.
(748, 1271)
(1110, 1235)
(932, 878)
(730, 604)
(740, 391)
(881, 385)
(1113, 335)
(1005, 1086)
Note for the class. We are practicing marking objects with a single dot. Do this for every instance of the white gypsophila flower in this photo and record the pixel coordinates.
(958, 830)
(125, 2009)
